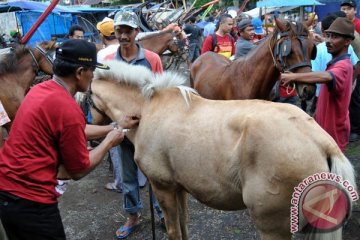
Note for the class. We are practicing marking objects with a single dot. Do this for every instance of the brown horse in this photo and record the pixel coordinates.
(167, 39)
(17, 72)
(227, 154)
(254, 75)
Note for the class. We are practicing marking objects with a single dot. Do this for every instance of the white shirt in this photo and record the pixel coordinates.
(106, 51)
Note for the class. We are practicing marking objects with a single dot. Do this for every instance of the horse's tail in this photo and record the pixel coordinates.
(342, 167)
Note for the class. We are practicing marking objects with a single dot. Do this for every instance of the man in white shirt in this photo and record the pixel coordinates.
(107, 35)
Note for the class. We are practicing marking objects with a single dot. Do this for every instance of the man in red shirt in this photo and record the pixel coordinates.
(48, 131)
(332, 112)
(224, 43)
(349, 7)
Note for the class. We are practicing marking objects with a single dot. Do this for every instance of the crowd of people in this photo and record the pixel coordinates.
(29, 166)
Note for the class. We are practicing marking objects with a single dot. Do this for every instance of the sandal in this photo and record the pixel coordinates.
(124, 232)
(112, 187)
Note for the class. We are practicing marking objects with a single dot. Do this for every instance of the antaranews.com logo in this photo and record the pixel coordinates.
(321, 201)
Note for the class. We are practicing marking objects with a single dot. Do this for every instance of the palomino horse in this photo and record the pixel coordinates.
(167, 39)
(230, 155)
(17, 72)
(254, 75)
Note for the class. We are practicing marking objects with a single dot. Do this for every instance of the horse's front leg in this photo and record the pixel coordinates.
(168, 201)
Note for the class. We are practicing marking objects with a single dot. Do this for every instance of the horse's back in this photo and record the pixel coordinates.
(207, 74)
(229, 145)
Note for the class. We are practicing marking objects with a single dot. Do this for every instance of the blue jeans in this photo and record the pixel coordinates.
(115, 154)
(131, 189)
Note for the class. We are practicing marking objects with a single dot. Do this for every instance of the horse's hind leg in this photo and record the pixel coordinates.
(168, 200)
(183, 210)
(269, 209)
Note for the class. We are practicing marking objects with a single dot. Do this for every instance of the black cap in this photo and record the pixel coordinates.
(79, 51)
(350, 3)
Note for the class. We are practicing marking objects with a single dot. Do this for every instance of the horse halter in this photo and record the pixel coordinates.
(36, 65)
(181, 53)
(90, 102)
(283, 49)
(47, 54)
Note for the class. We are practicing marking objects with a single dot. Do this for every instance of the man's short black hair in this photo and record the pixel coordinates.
(75, 28)
(63, 68)
(330, 18)
(211, 19)
(110, 38)
(222, 19)
(192, 19)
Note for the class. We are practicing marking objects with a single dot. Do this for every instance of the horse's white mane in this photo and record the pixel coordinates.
(144, 78)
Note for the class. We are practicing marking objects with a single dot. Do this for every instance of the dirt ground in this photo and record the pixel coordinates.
(90, 212)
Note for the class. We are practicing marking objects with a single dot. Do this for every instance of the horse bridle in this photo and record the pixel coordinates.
(46, 54)
(283, 49)
(182, 49)
(35, 63)
(90, 102)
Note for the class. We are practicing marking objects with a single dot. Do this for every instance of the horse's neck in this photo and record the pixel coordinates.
(158, 43)
(24, 75)
(256, 70)
(119, 100)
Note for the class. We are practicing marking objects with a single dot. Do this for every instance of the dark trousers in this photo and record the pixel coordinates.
(23, 219)
(354, 108)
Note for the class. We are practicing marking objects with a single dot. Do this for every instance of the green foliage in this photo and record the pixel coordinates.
(199, 3)
(124, 2)
(353, 149)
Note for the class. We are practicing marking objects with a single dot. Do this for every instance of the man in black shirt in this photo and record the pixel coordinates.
(194, 39)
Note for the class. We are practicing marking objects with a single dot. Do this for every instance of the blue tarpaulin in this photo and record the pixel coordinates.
(54, 24)
(38, 6)
(287, 3)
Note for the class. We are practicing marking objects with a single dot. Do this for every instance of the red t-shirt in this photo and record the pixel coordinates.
(332, 110)
(225, 46)
(356, 22)
(49, 126)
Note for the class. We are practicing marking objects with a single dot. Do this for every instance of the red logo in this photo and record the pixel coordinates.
(325, 206)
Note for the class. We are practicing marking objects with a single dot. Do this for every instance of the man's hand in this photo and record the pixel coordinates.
(286, 78)
(130, 121)
(115, 136)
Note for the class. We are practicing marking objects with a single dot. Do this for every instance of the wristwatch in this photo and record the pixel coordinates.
(114, 125)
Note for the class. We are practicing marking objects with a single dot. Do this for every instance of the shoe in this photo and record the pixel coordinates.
(354, 137)
(112, 187)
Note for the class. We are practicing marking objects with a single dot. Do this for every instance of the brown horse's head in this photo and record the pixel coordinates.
(44, 53)
(178, 45)
(293, 51)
